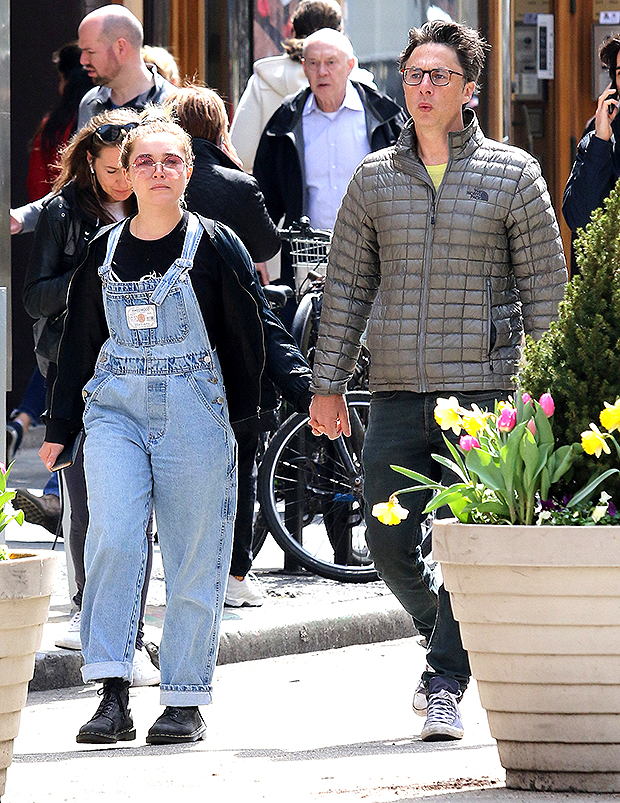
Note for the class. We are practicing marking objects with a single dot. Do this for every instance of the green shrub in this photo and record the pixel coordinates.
(578, 359)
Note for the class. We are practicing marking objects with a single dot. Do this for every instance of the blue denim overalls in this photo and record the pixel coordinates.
(157, 429)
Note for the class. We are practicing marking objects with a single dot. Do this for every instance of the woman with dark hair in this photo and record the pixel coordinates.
(91, 191)
(58, 125)
(54, 131)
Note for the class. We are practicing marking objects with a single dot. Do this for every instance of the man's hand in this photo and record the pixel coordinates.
(16, 223)
(329, 416)
(49, 453)
(606, 111)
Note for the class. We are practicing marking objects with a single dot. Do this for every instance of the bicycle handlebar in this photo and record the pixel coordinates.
(304, 231)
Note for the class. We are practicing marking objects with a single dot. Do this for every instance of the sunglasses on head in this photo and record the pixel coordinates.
(110, 132)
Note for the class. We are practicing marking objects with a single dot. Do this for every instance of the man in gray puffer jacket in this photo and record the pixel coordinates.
(448, 246)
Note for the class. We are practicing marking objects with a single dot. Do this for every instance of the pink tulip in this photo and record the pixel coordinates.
(469, 442)
(526, 398)
(531, 425)
(507, 419)
(3, 468)
(547, 403)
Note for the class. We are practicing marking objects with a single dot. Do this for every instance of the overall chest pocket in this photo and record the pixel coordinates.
(134, 320)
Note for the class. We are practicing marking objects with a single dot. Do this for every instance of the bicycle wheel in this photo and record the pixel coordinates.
(305, 324)
(311, 494)
(259, 533)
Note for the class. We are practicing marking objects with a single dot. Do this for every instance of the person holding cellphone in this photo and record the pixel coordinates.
(166, 325)
(597, 164)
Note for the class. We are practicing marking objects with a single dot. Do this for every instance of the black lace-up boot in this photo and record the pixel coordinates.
(112, 721)
(177, 725)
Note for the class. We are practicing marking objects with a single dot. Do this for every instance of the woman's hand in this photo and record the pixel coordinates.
(49, 453)
(606, 111)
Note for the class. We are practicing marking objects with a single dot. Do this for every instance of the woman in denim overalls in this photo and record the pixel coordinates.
(157, 430)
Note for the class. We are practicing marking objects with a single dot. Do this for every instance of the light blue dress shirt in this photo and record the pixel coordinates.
(334, 144)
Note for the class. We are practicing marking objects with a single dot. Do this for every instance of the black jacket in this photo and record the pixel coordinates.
(592, 178)
(60, 242)
(220, 190)
(254, 349)
(279, 161)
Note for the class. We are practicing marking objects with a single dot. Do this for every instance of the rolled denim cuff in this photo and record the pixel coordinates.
(184, 695)
(107, 669)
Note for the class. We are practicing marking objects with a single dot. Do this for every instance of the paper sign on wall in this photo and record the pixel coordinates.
(545, 46)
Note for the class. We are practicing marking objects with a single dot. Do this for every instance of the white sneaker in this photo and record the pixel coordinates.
(244, 592)
(71, 639)
(144, 673)
(420, 699)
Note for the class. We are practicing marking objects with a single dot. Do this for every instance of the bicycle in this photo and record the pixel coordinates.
(311, 489)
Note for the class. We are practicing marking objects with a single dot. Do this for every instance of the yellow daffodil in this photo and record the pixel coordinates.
(448, 414)
(593, 441)
(610, 416)
(472, 424)
(390, 512)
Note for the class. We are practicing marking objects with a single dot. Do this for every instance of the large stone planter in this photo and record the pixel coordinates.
(539, 613)
(25, 588)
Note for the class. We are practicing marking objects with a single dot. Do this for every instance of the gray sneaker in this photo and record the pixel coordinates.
(443, 720)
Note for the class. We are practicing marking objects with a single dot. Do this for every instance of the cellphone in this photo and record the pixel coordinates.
(68, 455)
(614, 96)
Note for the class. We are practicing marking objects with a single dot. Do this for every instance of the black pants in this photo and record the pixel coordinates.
(247, 445)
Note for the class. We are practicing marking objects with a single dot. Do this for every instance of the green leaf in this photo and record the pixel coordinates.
(529, 454)
(498, 508)
(482, 465)
(544, 433)
(545, 482)
(457, 458)
(451, 466)
(584, 493)
(413, 475)
(509, 458)
(447, 497)
(562, 460)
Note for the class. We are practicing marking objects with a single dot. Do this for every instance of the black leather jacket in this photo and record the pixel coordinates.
(254, 349)
(60, 242)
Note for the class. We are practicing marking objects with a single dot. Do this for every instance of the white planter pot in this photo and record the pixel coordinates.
(25, 589)
(539, 613)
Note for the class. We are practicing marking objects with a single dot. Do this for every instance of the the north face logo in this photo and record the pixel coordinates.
(478, 195)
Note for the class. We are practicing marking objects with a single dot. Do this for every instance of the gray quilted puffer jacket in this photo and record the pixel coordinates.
(449, 280)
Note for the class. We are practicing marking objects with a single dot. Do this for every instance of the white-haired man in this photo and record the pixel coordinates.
(312, 144)
(110, 39)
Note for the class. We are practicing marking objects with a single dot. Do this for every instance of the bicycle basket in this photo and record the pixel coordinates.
(309, 251)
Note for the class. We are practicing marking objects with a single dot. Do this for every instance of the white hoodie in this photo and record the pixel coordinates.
(273, 79)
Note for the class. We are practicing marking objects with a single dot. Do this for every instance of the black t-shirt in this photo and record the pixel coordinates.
(135, 259)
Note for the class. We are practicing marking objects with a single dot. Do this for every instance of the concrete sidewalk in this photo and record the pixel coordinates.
(301, 613)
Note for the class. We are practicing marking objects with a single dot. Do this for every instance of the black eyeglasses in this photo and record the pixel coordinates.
(110, 132)
(440, 76)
